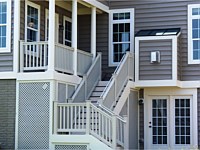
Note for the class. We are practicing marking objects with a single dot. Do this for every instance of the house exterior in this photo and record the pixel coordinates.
(99, 74)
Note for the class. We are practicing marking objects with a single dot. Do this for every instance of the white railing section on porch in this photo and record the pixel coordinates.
(119, 79)
(64, 58)
(90, 79)
(87, 118)
(34, 56)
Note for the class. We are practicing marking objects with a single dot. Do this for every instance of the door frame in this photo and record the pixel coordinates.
(172, 92)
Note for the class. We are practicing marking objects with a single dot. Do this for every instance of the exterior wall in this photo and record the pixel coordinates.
(155, 71)
(133, 120)
(167, 14)
(102, 44)
(6, 59)
(7, 114)
(105, 2)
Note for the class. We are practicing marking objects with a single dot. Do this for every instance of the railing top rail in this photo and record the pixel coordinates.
(119, 66)
(101, 111)
(85, 53)
(93, 64)
(71, 104)
(65, 46)
(115, 73)
(34, 43)
(112, 113)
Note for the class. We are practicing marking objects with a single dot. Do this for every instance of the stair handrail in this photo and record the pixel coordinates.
(84, 83)
(115, 72)
(114, 83)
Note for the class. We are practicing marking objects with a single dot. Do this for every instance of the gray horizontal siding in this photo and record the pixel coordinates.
(7, 114)
(164, 14)
(105, 2)
(155, 71)
(102, 45)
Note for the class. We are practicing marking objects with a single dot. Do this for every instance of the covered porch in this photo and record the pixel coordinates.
(54, 43)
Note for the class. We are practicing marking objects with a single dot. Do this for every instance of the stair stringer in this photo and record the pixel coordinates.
(122, 100)
(89, 140)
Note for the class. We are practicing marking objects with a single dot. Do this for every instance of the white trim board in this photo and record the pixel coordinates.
(173, 81)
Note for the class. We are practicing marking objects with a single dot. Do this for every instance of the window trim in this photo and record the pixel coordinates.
(65, 18)
(190, 40)
(8, 28)
(28, 3)
(132, 29)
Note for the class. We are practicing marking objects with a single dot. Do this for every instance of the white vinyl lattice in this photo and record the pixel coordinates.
(70, 147)
(33, 119)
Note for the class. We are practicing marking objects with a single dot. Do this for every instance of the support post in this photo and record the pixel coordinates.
(16, 47)
(55, 119)
(74, 34)
(126, 132)
(114, 133)
(87, 117)
(93, 32)
(51, 41)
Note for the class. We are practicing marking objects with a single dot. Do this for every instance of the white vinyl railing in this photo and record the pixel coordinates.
(90, 79)
(84, 61)
(33, 56)
(87, 118)
(64, 58)
(114, 88)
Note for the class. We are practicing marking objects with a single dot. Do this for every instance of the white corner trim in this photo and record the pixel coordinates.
(8, 27)
(16, 49)
(98, 5)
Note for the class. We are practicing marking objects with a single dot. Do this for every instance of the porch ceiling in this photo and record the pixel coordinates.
(83, 7)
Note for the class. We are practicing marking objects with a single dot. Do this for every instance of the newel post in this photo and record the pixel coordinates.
(126, 132)
(87, 117)
(114, 131)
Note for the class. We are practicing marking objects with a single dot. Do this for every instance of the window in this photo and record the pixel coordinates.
(67, 36)
(5, 25)
(121, 34)
(32, 22)
(182, 121)
(194, 34)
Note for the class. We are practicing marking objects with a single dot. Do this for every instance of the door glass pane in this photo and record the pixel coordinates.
(159, 121)
(182, 121)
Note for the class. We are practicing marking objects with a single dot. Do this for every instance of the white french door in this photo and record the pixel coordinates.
(169, 122)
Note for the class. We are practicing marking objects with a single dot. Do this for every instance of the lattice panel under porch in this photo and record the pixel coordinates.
(33, 127)
(70, 147)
